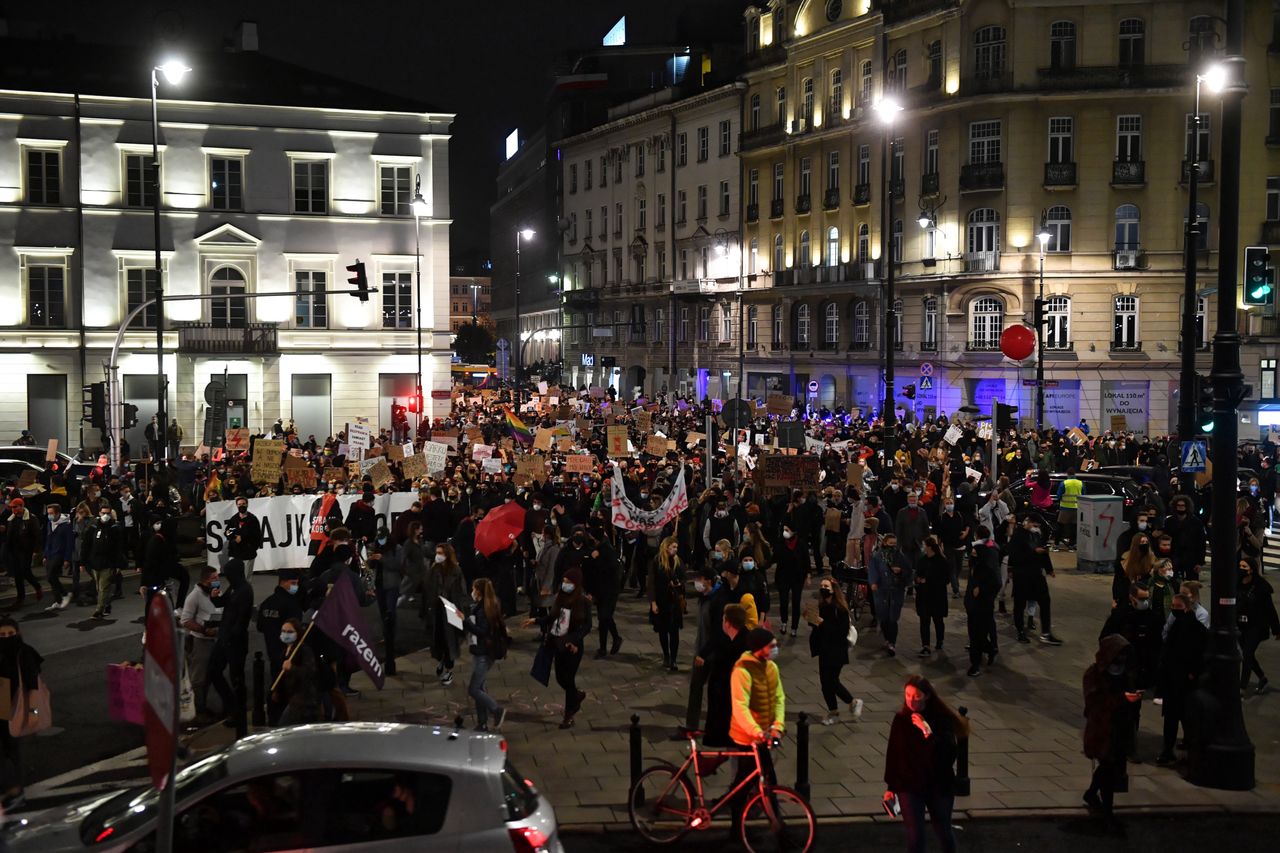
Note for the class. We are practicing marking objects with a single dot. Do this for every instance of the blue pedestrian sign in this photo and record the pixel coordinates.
(1194, 456)
(926, 383)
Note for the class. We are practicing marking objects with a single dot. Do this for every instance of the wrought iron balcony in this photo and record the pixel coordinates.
(981, 177)
(984, 345)
(753, 212)
(1115, 77)
(802, 203)
(831, 198)
(982, 262)
(775, 209)
(1205, 170)
(862, 194)
(929, 184)
(765, 134)
(1059, 174)
(1126, 346)
(897, 189)
(928, 346)
(1128, 173)
(245, 339)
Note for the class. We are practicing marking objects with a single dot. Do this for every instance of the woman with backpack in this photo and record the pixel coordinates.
(488, 645)
(829, 643)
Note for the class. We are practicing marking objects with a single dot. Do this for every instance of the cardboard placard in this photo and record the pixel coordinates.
(26, 478)
(51, 452)
(415, 466)
(579, 463)
(333, 475)
(780, 405)
(780, 473)
(294, 462)
(353, 472)
(953, 435)
(692, 439)
(482, 451)
(854, 472)
(1206, 476)
(530, 469)
(380, 473)
(542, 441)
(1077, 436)
(582, 425)
(435, 453)
(644, 421)
(305, 477)
(475, 435)
(395, 452)
(1119, 423)
(617, 441)
(236, 440)
(564, 445)
(265, 466)
(491, 466)
(656, 445)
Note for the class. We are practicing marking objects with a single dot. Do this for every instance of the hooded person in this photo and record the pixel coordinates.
(20, 664)
(1110, 695)
(565, 628)
(235, 597)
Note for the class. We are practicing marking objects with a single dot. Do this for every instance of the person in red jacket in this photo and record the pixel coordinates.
(919, 762)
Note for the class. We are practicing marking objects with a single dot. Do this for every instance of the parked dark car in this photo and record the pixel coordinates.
(1094, 484)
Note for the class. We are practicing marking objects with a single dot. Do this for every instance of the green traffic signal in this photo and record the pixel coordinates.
(1258, 285)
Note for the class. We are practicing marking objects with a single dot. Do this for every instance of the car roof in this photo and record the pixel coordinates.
(441, 748)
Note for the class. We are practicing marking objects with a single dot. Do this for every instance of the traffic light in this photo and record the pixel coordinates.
(1004, 415)
(1204, 403)
(215, 413)
(1038, 315)
(359, 280)
(130, 416)
(95, 405)
(1258, 286)
(415, 404)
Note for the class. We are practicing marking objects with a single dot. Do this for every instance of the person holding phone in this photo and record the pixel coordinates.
(919, 763)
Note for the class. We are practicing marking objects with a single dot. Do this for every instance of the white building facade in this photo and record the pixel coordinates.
(255, 199)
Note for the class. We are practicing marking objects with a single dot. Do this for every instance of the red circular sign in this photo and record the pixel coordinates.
(1017, 342)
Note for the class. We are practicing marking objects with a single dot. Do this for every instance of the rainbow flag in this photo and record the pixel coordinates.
(518, 430)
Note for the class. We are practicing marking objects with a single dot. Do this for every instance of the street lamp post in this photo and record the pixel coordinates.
(1038, 316)
(888, 109)
(420, 209)
(173, 71)
(522, 235)
(1215, 77)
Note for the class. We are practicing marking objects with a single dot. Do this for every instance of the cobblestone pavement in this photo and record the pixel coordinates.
(1025, 752)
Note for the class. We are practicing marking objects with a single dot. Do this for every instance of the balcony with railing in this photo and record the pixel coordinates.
(982, 262)
(1205, 171)
(753, 212)
(764, 135)
(776, 208)
(1128, 173)
(862, 194)
(986, 84)
(928, 346)
(897, 189)
(860, 346)
(210, 339)
(1059, 175)
(981, 177)
(831, 198)
(762, 56)
(802, 203)
(1126, 346)
(1271, 232)
(929, 184)
(983, 344)
(1115, 77)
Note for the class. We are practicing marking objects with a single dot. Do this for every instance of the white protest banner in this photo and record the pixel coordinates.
(491, 465)
(358, 435)
(630, 517)
(953, 435)
(293, 526)
(436, 454)
(366, 465)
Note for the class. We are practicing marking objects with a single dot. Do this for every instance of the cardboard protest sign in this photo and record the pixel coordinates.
(564, 445)
(1077, 436)
(475, 435)
(780, 405)
(644, 422)
(366, 465)
(265, 466)
(579, 463)
(617, 438)
(1119, 423)
(530, 469)
(333, 475)
(415, 466)
(1205, 477)
(236, 440)
(305, 477)
(292, 462)
(596, 392)
(854, 472)
(51, 452)
(692, 439)
(953, 435)
(542, 440)
(984, 430)
(581, 425)
(395, 452)
(656, 445)
(353, 472)
(491, 465)
(359, 435)
(482, 451)
(434, 454)
(380, 473)
(26, 478)
(780, 473)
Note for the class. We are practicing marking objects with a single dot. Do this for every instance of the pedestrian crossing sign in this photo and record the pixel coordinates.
(1194, 456)
(926, 383)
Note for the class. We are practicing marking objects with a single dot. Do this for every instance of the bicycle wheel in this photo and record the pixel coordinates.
(778, 821)
(660, 805)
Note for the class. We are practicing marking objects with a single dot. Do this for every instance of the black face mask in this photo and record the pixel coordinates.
(9, 645)
(826, 593)
(244, 510)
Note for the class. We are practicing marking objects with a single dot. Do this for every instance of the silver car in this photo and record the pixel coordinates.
(333, 787)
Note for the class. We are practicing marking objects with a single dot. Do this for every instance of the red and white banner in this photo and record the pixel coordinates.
(160, 685)
(628, 516)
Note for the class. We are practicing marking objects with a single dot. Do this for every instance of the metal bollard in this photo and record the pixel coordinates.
(802, 755)
(962, 760)
(635, 748)
(259, 690)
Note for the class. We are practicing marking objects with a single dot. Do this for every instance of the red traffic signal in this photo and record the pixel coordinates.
(415, 404)
(359, 280)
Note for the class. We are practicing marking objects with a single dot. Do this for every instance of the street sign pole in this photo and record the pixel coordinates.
(160, 677)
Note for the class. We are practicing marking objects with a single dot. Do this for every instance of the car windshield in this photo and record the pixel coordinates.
(135, 807)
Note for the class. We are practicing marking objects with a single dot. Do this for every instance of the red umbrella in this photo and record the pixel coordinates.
(498, 528)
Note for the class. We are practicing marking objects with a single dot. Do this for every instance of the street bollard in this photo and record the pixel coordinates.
(962, 760)
(635, 748)
(802, 756)
(259, 690)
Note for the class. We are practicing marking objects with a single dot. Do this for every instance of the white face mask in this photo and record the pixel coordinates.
(439, 558)
(156, 526)
(106, 516)
(786, 534)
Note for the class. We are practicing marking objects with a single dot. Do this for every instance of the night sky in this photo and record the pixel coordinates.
(488, 62)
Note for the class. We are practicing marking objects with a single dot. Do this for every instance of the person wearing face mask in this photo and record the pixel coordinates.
(758, 709)
(726, 642)
(953, 534)
(59, 543)
(541, 594)
(20, 664)
(1029, 564)
(1181, 662)
(600, 579)
(791, 577)
(919, 763)
(444, 579)
(488, 643)
(1256, 620)
(199, 620)
(82, 522)
(565, 629)
(1140, 625)
(704, 581)
(21, 531)
(158, 566)
(1137, 566)
(667, 599)
(889, 576)
(720, 525)
(281, 604)
(244, 535)
(933, 573)
(297, 694)
(574, 554)
(1189, 538)
(911, 526)
(231, 648)
(829, 643)
(1110, 700)
(362, 521)
(980, 601)
(100, 548)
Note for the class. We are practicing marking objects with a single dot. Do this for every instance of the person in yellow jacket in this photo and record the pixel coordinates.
(759, 706)
(1068, 503)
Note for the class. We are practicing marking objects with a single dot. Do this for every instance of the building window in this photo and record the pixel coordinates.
(1269, 370)
(587, 217)
(1058, 224)
(726, 323)
(1197, 138)
(753, 255)
(617, 165)
(641, 262)
(662, 210)
(573, 227)
(682, 149)
(604, 171)
(1062, 45)
(864, 243)
(1125, 325)
(864, 165)
(684, 264)
(1061, 149)
(935, 64)
(617, 219)
(833, 171)
(806, 100)
(1127, 228)
(659, 324)
(833, 246)
(640, 214)
(931, 152)
(704, 322)
(753, 188)
(662, 261)
(780, 103)
(1129, 139)
(779, 258)
(806, 176)
(802, 260)
(831, 325)
(896, 241)
(755, 112)
(897, 160)
(1202, 38)
(639, 149)
(837, 91)
(989, 53)
(226, 183)
(1273, 199)
(1057, 322)
(897, 324)
(753, 324)
(573, 183)
(397, 300)
(866, 84)
(46, 297)
(861, 325)
(1132, 42)
(724, 198)
(1202, 326)
(983, 232)
(777, 324)
(662, 154)
(726, 138)
(311, 186)
(231, 311)
(802, 325)
(986, 322)
(586, 173)
(684, 325)
(44, 184)
(897, 79)
(704, 144)
(777, 182)
(929, 336)
(311, 311)
(702, 202)
(681, 206)
(139, 186)
(140, 286)
(396, 189)
(984, 142)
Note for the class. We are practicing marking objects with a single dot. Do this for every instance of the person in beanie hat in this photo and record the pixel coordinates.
(759, 707)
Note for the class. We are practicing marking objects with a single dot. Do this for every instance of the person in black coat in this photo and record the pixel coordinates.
(102, 554)
(790, 576)
(1136, 621)
(1256, 619)
(933, 574)
(1189, 538)
(362, 521)
(244, 535)
(158, 565)
(980, 600)
(919, 762)
(829, 643)
(1181, 661)
(600, 577)
(231, 647)
(724, 647)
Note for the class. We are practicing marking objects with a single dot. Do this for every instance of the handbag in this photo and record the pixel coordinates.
(31, 710)
(541, 669)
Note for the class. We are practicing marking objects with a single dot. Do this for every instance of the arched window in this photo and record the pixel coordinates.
(230, 312)
(897, 324)
(989, 53)
(777, 324)
(803, 260)
(779, 254)
(982, 236)
(753, 319)
(897, 79)
(755, 112)
(929, 330)
(896, 236)
(861, 325)
(1125, 325)
(1127, 231)
(802, 325)
(1133, 36)
(837, 91)
(753, 34)
(833, 246)
(831, 325)
(864, 243)
(1058, 224)
(986, 322)
(866, 84)
(1062, 45)
(935, 64)
(753, 255)
(1057, 322)
(806, 102)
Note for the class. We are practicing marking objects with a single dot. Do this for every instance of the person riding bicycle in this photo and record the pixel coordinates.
(759, 707)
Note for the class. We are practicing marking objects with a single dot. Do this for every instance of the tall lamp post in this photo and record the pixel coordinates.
(420, 209)
(1215, 77)
(173, 71)
(523, 235)
(888, 109)
(1038, 315)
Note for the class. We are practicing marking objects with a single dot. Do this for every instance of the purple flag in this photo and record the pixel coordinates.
(339, 618)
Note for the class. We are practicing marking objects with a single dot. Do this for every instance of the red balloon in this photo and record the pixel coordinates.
(1017, 342)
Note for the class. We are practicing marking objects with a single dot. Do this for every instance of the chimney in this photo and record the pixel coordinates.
(247, 36)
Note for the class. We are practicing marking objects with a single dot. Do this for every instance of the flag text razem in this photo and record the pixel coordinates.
(361, 647)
